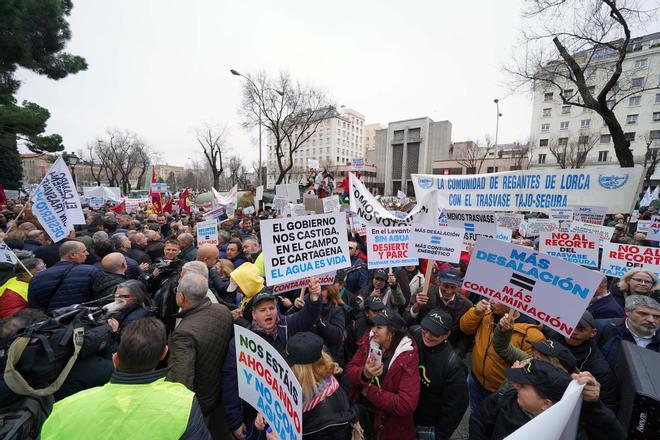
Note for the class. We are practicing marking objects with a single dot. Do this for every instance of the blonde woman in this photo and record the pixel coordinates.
(636, 282)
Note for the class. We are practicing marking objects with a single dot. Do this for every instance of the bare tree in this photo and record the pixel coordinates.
(576, 50)
(472, 155)
(212, 141)
(118, 155)
(520, 152)
(237, 172)
(651, 156)
(572, 152)
(289, 111)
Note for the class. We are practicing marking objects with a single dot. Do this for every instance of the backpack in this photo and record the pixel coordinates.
(23, 419)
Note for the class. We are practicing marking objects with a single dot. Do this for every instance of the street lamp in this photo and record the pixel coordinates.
(256, 89)
(73, 161)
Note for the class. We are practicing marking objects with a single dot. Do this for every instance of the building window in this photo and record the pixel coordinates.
(568, 93)
(563, 125)
(605, 138)
(543, 142)
(541, 158)
(545, 127)
(656, 116)
(491, 169)
(654, 135)
(583, 140)
(562, 141)
(641, 63)
(565, 109)
(602, 156)
(630, 136)
(585, 123)
(547, 96)
(637, 82)
(634, 101)
(632, 119)
(547, 112)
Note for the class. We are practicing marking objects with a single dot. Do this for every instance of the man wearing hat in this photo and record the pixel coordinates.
(539, 385)
(445, 296)
(385, 286)
(443, 395)
(275, 328)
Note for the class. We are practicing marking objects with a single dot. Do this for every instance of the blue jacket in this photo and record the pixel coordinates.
(76, 286)
(606, 308)
(614, 333)
(357, 276)
(288, 326)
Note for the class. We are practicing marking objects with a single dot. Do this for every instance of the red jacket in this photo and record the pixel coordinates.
(13, 297)
(396, 399)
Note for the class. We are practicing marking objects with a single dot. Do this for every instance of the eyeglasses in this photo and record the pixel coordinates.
(124, 296)
(642, 281)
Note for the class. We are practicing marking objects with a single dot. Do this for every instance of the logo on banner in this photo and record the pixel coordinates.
(469, 227)
(522, 282)
(612, 182)
(436, 239)
(425, 182)
(442, 216)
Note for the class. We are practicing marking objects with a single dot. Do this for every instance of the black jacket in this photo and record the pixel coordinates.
(331, 327)
(499, 415)
(139, 255)
(331, 419)
(614, 333)
(443, 396)
(106, 283)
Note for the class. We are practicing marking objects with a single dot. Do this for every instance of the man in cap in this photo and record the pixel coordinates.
(443, 395)
(275, 328)
(385, 286)
(445, 296)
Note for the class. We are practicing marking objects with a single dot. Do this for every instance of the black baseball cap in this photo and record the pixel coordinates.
(261, 296)
(438, 322)
(304, 348)
(451, 276)
(380, 274)
(374, 303)
(548, 380)
(557, 350)
(390, 318)
(587, 321)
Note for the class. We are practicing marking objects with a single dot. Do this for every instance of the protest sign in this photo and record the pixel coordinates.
(297, 210)
(280, 203)
(522, 229)
(594, 215)
(545, 288)
(229, 201)
(389, 247)
(159, 187)
(356, 224)
(324, 280)
(95, 203)
(436, 243)
(266, 382)
(503, 234)
(313, 164)
(534, 190)
(475, 224)
(331, 204)
(561, 214)
(509, 220)
(55, 202)
(11, 194)
(367, 208)
(643, 225)
(604, 233)
(289, 191)
(357, 164)
(654, 229)
(576, 248)
(537, 225)
(215, 213)
(619, 258)
(6, 254)
(300, 247)
(258, 196)
(207, 232)
(559, 422)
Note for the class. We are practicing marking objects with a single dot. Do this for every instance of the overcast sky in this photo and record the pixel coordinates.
(160, 68)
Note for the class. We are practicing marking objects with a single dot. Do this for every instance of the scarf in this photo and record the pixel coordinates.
(262, 331)
(323, 389)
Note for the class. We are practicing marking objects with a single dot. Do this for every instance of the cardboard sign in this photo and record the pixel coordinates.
(324, 280)
(331, 204)
(436, 243)
(537, 225)
(545, 288)
(389, 247)
(207, 232)
(619, 258)
(301, 247)
(594, 215)
(509, 220)
(576, 248)
(604, 233)
(534, 190)
(266, 382)
(654, 229)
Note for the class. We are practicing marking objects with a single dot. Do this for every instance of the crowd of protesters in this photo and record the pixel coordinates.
(165, 364)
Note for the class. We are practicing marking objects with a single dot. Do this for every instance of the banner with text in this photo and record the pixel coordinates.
(604, 233)
(300, 247)
(389, 247)
(324, 280)
(578, 248)
(537, 225)
(475, 224)
(594, 215)
(55, 202)
(545, 288)
(535, 190)
(619, 258)
(509, 220)
(654, 229)
(266, 382)
(207, 232)
(436, 243)
(367, 208)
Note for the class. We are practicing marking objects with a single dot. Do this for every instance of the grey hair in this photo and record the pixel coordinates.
(99, 235)
(632, 301)
(197, 267)
(193, 286)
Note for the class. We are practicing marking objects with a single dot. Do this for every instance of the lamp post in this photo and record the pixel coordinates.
(256, 90)
(73, 160)
(497, 128)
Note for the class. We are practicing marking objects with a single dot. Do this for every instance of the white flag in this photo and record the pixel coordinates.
(56, 203)
(229, 201)
(6, 254)
(655, 194)
(646, 200)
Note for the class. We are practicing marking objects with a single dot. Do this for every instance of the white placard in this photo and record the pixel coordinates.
(436, 243)
(594, 215)
(313, 164)
(475, 224)
(576, 248)
(207, 233)
(561, 214)
(389, 247)
(604, 233)
(6, 254)
(545, 288)
(654, 229)
(331, 204)
(537, 225)
(619, 258)
(301, 247)
(509, 220)
(643, 225)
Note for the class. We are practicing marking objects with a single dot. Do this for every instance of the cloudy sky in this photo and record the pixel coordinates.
(160, 68)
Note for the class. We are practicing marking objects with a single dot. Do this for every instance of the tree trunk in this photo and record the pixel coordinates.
(621, 144)
(11, 171)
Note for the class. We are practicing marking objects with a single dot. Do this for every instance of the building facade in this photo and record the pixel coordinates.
(408, 147)
(468, 157)
(336, 141)
(571, 130)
